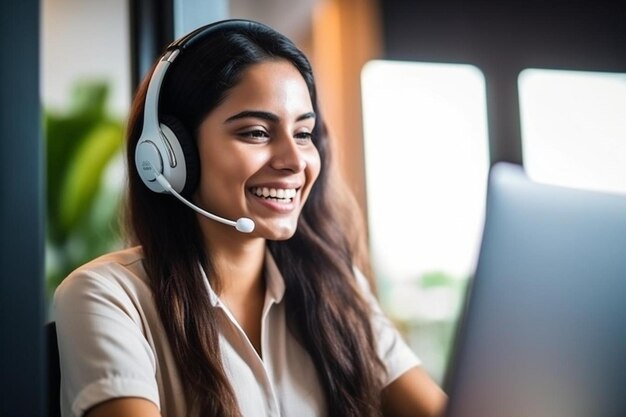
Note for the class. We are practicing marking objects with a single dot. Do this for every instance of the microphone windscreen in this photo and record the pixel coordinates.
(244, 225)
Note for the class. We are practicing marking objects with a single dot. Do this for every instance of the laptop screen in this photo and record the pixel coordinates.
(544, 331)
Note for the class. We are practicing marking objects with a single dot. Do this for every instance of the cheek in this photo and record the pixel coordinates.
(313, 166)
(231, 166)
(316, 162)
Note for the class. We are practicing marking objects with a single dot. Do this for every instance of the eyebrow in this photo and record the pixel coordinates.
(271, 117)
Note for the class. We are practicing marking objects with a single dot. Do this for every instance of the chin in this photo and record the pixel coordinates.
(280, 232)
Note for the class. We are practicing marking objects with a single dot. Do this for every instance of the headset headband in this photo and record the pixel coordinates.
(151, 110)
(202, 32)
(160, 148)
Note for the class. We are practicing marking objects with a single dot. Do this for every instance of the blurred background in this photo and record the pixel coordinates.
(421, 97)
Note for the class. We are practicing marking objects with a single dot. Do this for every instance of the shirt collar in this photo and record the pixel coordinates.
(213, 298)
(275, 284)
(273, 279)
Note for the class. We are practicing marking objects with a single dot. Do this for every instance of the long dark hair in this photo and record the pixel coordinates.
(327, 314)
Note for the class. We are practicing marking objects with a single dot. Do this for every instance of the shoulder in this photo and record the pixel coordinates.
(362, 283)
(110, 278)
(107, 330)
(126, 264)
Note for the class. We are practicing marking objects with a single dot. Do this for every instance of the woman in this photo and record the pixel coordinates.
(201, 319)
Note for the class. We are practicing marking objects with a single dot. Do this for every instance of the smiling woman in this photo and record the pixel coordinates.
(198, 318)
(264, 125)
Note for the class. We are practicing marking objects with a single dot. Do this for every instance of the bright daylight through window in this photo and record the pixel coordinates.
(427, 160)
(574, 128)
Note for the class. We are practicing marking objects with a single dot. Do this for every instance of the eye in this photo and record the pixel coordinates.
(254, 135)
(303, 137)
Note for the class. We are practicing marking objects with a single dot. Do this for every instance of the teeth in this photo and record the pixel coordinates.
(278, 193)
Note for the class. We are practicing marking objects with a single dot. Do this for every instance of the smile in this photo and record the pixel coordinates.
(281, 195)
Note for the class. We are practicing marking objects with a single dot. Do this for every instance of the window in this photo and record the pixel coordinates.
(574, 128)
(427, 161)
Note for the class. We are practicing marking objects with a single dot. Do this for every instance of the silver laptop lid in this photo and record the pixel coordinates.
(544, 332)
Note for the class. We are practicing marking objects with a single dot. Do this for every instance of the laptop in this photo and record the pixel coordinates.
(544, 328)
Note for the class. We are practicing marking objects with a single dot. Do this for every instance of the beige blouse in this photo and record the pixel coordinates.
(112, 344)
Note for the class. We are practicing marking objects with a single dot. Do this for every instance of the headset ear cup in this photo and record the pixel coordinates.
(190, 153)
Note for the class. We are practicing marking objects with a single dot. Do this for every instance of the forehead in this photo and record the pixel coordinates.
(272, 83)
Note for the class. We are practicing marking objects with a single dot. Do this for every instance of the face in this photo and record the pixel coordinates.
(256, 154)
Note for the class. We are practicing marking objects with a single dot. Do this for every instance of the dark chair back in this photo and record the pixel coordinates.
(54, 371)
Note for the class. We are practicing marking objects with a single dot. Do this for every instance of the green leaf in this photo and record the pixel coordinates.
(85, 171)
(89, 99)
(64, 134)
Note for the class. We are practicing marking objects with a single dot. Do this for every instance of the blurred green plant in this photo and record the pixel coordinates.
(82, 206)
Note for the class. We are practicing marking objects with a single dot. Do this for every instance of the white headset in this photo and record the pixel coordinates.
(166, 155)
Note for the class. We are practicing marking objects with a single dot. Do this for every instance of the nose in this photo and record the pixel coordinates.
(287, 156)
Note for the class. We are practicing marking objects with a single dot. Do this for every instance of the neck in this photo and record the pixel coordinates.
(237, 260)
